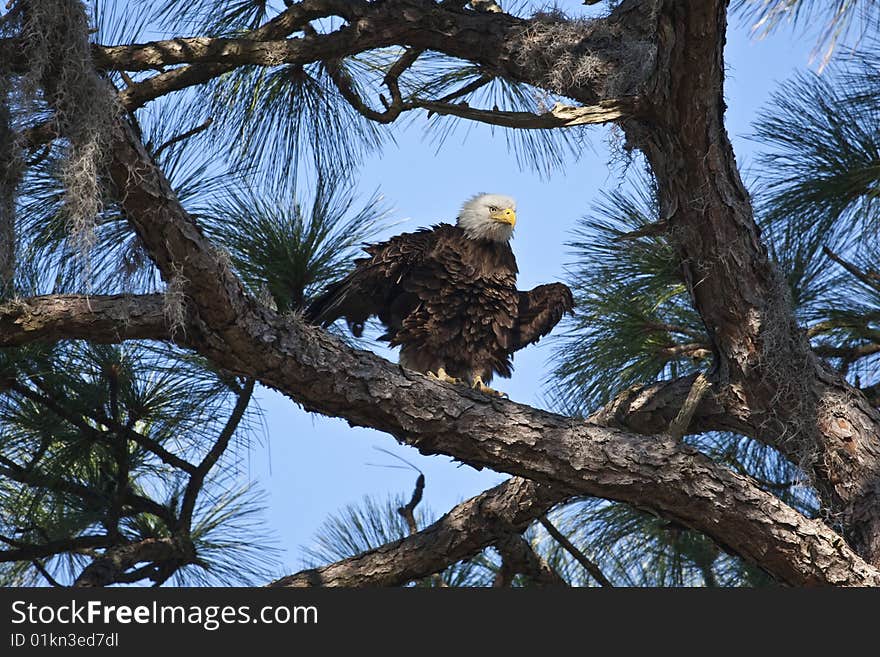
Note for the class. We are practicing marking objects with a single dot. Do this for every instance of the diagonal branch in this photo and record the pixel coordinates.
(808, 412)
(849, 354)
(197, 477)
(46, 574)
(588, 564)
(183, 136)
(465, 530)
(76, 419)
(239, 335)
(869, 278)
(34, 478)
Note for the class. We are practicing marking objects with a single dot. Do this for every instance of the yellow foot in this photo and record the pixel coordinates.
(482, 387)
(441, 375)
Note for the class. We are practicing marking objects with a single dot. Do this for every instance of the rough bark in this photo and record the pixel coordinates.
(768, 384)
(236, 333)
(802, 408)
(468, 528)
(109, 318)
(590, 61)
(527, 50)
(573, 456)
(513, 505)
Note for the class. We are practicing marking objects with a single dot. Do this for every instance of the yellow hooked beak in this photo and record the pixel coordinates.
(505, 216)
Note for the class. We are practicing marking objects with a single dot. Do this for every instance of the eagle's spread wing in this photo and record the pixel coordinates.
(451, 302)
(540, 310)
(370, 289)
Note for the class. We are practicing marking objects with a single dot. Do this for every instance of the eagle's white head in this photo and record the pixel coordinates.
(488, 217)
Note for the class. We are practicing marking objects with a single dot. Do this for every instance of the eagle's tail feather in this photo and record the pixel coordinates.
(321, 309)
(338, 300)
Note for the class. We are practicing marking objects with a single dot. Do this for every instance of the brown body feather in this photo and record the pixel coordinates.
(448, 301)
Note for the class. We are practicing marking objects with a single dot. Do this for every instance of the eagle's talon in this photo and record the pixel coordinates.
(441, 375)
(482, 387)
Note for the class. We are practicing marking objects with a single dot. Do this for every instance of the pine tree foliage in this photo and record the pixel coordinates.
(279, 119)
(373, 522)
(819, 204)
(103, 446)
(292, 251)
(841, 23)
(634, 323)
(93, 441)
(633, 320)
(542, 151)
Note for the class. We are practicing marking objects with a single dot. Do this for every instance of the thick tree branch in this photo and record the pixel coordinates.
(644, 409)
(237, 334)
(14, 472)
(498, 42)
(477, 523)
(805, 410)
(211, 50)
(136, 95)
(461, 533)
(78, 317)
(234, 53)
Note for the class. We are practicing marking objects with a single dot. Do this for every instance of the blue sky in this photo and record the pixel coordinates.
(311, 466)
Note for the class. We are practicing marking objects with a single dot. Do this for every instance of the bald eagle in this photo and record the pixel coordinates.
(447, 296)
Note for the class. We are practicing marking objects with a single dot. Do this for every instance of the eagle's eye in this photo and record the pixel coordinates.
(493, 208)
